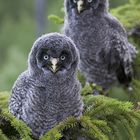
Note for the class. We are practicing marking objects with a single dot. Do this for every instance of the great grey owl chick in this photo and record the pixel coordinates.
(105, 53)
(48, 91)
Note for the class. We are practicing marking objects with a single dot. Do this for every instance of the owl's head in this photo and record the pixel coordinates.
(79, 6)
(52, 55)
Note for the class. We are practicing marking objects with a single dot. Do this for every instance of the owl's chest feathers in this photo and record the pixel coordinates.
(89, 30)
(45, 107)
(49, 99)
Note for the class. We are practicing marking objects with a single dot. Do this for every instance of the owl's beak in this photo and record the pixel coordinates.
(54, 62)
(80, 6)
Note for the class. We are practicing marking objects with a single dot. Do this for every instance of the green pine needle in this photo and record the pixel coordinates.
(56, 19)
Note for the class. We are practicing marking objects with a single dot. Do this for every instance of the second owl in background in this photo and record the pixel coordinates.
(105, 53)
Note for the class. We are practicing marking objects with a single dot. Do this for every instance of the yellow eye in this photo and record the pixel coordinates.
(46, 57)
(62, 57)
(89, 1)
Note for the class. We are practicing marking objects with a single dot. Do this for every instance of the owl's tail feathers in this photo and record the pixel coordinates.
(125, 77)
(124, 71)
(125, 74)
(119, 58)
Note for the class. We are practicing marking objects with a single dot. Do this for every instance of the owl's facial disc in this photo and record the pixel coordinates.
(54, 61)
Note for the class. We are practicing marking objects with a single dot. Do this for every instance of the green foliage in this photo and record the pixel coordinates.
(103, 119)
(4, 96)
(56, 19)
(135, 96)
(2, 136)
(128, 14)
(134, 2)
(11, 128)
(55, 133)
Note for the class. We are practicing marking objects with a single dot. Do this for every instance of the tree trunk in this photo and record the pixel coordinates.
(40, 12)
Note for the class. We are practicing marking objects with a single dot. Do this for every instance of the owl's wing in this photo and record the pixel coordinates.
(17, 99)
(118, 56)
(115, 25)
(123, 53)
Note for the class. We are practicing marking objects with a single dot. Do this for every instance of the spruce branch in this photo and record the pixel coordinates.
(14, 127)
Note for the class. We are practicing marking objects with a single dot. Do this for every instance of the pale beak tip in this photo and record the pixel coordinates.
(54, 69)
(80, 6)
(54, 62)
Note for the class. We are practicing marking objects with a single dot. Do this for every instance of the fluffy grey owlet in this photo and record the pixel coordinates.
(105, 53)
(48, 91)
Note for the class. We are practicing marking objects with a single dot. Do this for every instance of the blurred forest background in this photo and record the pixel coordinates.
(21, 22)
